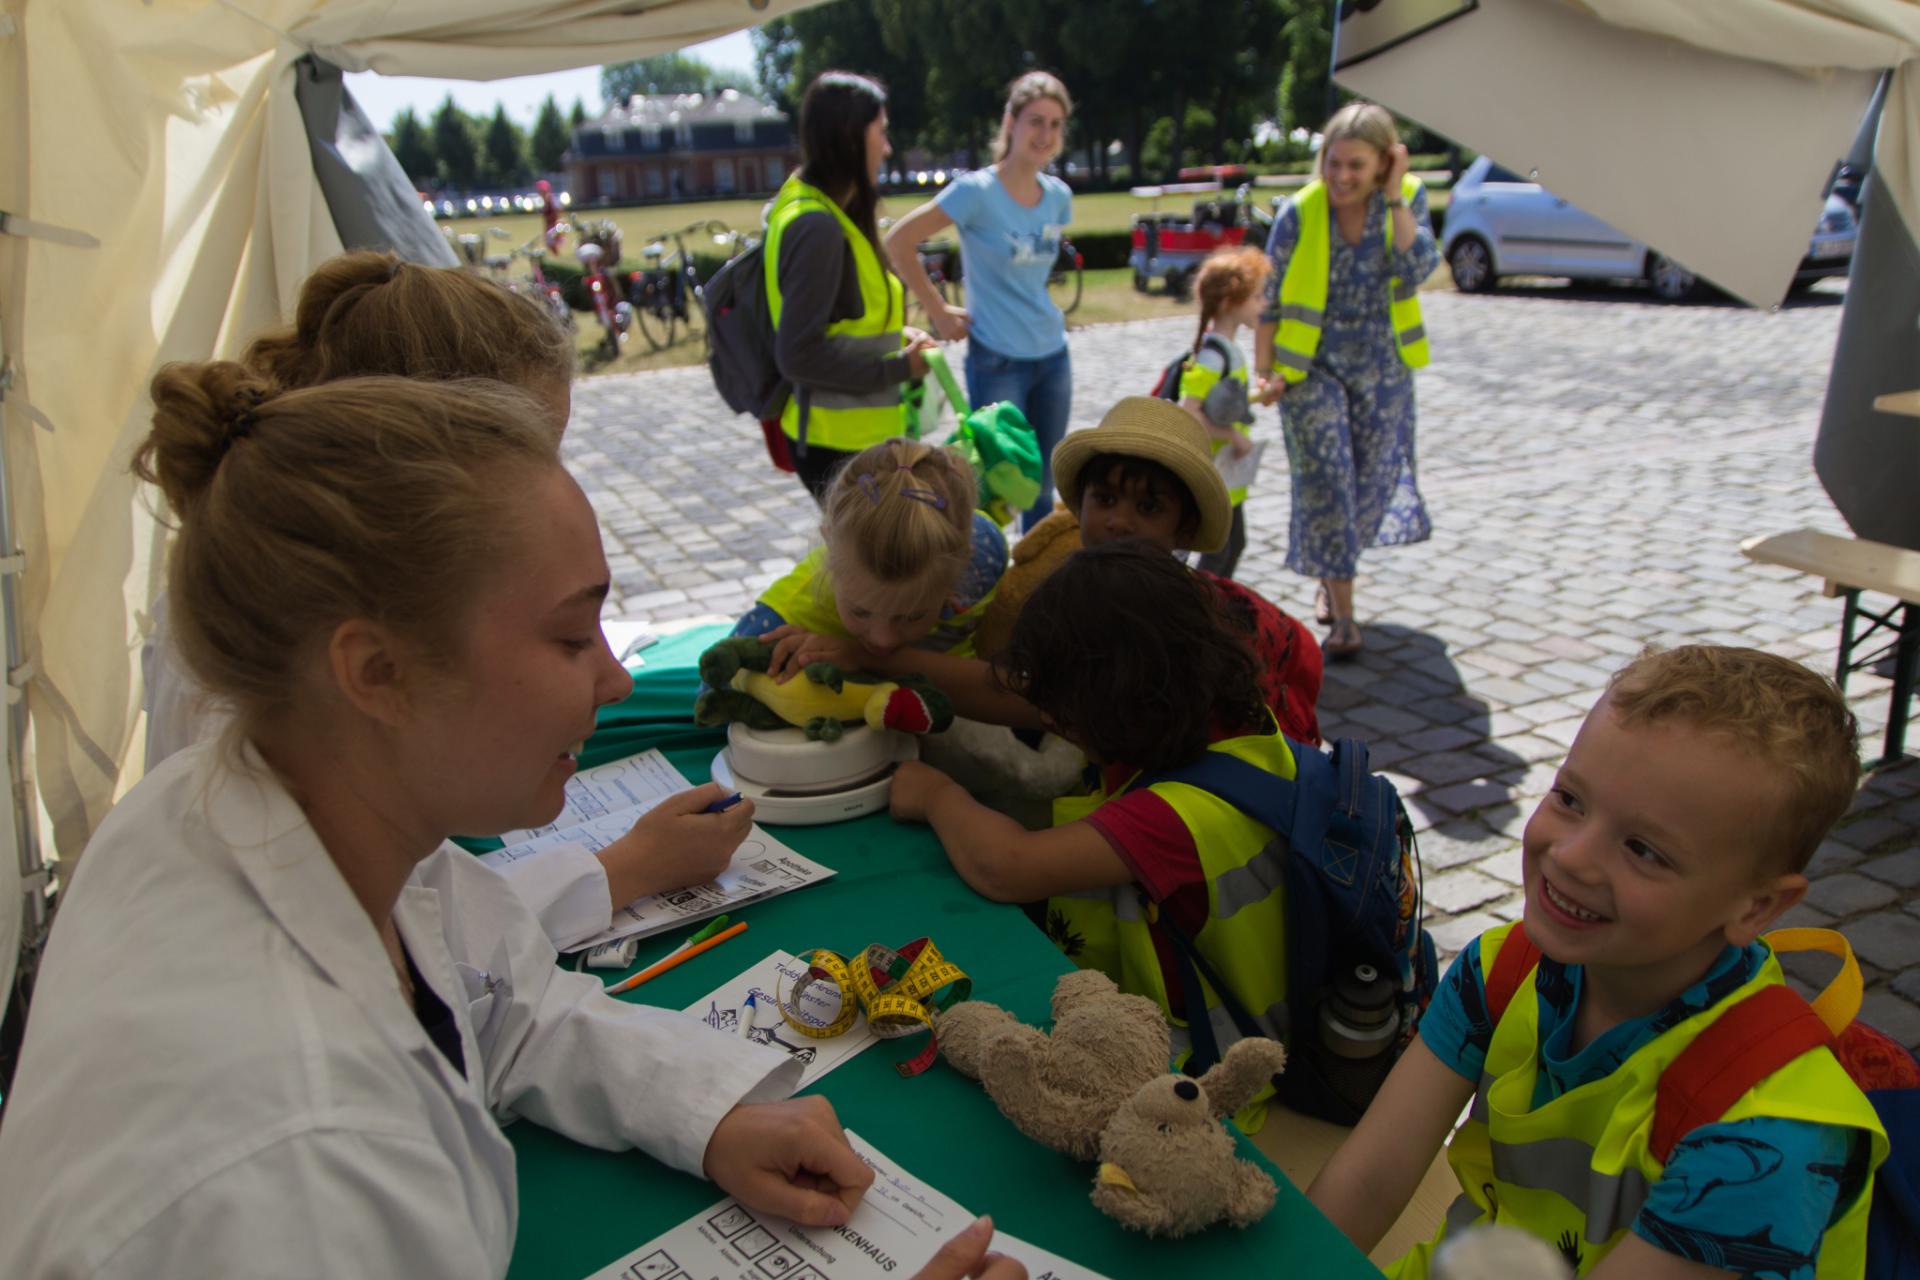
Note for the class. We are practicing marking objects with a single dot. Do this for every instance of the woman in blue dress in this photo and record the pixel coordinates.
(1344, 331)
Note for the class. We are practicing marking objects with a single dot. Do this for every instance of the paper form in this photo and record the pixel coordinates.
(721, 1009)
(895, 1230)
(604, 802)
(1239, 472)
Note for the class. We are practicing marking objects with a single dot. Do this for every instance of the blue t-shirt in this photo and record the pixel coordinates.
(1007, 251)
(1752, 1196)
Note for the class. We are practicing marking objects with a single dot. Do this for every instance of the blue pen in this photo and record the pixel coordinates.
(723, 804)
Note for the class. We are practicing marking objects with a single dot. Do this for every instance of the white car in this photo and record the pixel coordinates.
(1499, 224)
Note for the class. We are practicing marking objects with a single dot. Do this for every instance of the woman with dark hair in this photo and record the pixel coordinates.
(838, 312)
(1128, 655)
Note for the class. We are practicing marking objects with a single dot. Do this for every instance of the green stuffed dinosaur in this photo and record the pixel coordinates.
(821, 703)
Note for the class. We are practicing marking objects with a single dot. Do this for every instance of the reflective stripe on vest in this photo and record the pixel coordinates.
(1576, 1171)
(1244, 937)
(848, 421)
(1303, 290)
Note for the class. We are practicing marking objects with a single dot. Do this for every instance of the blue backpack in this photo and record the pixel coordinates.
(1360, 968)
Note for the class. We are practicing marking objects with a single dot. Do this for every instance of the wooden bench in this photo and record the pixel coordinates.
(1850, 566)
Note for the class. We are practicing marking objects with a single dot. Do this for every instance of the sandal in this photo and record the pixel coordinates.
(1322, 605)
(1344, 642)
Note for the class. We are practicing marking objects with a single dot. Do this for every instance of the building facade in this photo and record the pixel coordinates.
(675, 146)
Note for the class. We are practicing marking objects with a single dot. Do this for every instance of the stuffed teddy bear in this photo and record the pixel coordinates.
(1044, 549)
(1097, 1088)
(1061, 1089)
(1166, 1162)
(821, 703)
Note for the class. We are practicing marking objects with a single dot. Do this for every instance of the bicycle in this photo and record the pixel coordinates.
(599, 251)
(667, 292)
(1068, 277)
(536, 285)
(471, 247)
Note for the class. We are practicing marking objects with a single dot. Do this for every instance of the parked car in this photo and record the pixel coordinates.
(1500, 224)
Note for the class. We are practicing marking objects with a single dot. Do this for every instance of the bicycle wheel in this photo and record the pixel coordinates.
(1064, 286)
(655, 324)
(694, 297)
(1064, 283)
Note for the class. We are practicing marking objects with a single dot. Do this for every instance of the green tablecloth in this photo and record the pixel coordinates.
(580, 1209)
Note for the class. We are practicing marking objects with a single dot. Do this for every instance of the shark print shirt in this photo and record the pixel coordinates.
(1750, 1196)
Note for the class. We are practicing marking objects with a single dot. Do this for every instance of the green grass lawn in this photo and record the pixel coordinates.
(1108, 295)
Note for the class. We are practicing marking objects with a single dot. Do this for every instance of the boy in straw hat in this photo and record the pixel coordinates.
(1146, 471)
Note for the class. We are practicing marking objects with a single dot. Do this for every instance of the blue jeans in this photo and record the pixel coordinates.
(1041, 389)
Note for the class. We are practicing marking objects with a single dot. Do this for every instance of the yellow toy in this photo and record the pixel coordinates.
(821, 701)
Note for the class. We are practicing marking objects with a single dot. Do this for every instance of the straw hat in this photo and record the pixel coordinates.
(1160, 431)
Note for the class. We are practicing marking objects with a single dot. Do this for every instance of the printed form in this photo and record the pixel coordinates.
(604, 802)
(894, 1232)
(725, 1009)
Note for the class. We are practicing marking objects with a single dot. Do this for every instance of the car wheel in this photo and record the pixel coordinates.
(1471, 264)
(1671, 282)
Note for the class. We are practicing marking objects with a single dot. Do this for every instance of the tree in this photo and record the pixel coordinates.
(453, 144)
(413, 148)
(1308, 32)
(578, 116)
(550, 138)
(505, 160)
(667, 73)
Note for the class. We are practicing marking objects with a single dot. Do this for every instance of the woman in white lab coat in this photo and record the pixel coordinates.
(280, 1018)
(365, 313)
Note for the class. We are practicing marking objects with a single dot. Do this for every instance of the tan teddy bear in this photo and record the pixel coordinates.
(1166, 1162)
(1061, 1089)
(1044, 549)
(1097, 1088)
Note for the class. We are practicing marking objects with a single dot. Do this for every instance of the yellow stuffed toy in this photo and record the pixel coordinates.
(822, 702)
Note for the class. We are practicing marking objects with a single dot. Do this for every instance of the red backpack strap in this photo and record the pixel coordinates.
(1517, 958)
(1743, 1046)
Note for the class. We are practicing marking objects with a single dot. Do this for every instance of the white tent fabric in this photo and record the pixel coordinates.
(168, 130)
(1716, 160)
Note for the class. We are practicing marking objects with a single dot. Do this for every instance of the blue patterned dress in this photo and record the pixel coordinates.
(1349, 425)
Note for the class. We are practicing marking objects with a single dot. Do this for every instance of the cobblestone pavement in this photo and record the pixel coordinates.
(1592, 462)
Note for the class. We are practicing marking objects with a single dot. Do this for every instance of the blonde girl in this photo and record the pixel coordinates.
(906, 561)
(1010, 216)
(1213, 386)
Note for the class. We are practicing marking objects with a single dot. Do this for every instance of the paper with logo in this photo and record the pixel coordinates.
(896, 1229)
(725, 1009)
(603, 803)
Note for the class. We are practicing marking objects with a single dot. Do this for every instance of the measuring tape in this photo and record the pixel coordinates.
(899, 991)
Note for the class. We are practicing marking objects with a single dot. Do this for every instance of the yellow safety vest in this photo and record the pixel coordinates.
(1196, 380)
(1244, 938)
(804, 597)
(1578, 1168)
(1303, 290)
(848, 421)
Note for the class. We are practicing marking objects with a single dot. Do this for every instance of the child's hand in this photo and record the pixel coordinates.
(1267, 390)
(1239, 445)
(795, 648)
(914, 786)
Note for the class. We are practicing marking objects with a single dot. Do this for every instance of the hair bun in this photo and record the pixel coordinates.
(200, 411)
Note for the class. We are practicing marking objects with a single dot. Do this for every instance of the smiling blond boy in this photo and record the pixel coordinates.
(1678, 829)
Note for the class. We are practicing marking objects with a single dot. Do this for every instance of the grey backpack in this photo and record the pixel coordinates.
(740, 338)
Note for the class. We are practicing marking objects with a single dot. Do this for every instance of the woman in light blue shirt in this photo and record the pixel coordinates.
(1011, 217)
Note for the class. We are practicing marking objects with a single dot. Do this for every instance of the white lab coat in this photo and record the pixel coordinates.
(565, 887)
(222, 1077)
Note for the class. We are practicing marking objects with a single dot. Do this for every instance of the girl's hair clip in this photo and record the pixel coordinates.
(870, 487)
(928, 496)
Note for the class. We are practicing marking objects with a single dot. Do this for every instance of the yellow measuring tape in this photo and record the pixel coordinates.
(898, 990)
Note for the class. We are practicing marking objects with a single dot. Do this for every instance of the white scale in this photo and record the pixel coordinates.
(796, 781)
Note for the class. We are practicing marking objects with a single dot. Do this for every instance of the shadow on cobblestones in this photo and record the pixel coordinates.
(1426, 729)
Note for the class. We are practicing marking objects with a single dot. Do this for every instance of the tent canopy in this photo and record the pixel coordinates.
(171, 133)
